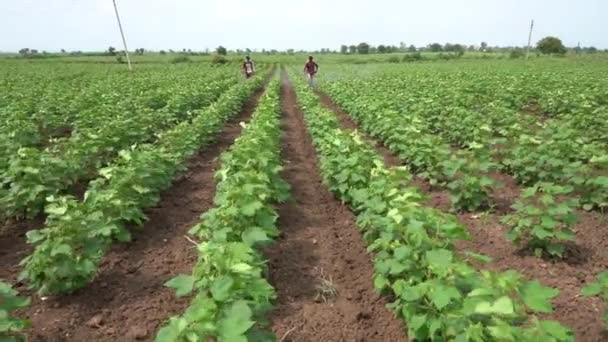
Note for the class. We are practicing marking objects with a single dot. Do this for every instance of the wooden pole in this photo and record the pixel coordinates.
(529, 39)
(122, 34)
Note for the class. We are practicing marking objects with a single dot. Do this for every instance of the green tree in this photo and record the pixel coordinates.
(344, 49)
(382, 49)
(352, 49)
(111, 51)
(484, 46)
(549, 45)
(363, 48)
(590, 49)
(412, 48)
(435, 47)
(221, 50)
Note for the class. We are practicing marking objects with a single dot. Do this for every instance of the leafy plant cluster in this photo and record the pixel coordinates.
(537, 126)
(440, 296)
(543, 219)
(231, 294)
(43, 105)
(34, 174)
(10, 327)
(598, 288)
(466, 173)
(558, 155)
(77, 234)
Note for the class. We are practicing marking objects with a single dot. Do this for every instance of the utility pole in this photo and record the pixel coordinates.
(122, 34)
(529, 39)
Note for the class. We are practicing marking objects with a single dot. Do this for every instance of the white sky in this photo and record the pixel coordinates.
(281, 24)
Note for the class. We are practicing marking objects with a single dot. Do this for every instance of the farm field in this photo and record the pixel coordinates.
(445, 200)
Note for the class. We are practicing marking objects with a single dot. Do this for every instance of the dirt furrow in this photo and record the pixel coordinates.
(584, 259)
(319, 266)
(127, 301)
(13, 244)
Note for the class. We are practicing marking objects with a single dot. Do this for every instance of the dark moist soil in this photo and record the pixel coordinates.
(320, 241)
(127, 301)
(13, 245)
(584, 259)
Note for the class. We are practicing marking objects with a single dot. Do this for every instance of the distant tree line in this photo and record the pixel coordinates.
(547, 45)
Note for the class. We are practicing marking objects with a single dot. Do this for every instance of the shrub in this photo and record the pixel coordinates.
(515, 54)
(412, 57)
(393, 59)
(180, 59)
(219, 59)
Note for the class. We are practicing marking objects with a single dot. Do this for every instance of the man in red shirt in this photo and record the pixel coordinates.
(311, 68)
(248, 67)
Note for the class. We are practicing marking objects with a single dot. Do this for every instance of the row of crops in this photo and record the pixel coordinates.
(458, 128)
(230, 293)
(123, 149)
(436, 292)
(92, 163)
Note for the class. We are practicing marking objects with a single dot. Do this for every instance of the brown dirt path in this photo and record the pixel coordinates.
(585, 259)
(319, 241)
(127, 301)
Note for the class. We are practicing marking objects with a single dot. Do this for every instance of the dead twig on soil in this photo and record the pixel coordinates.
(326, 287)
(287, 333)
(192, 241)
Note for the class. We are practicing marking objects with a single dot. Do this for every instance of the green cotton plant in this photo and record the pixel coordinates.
(468, 180)
(591, 184)
(77, 234)
(561, 155)
(439, 296)
(600, 289)
(543, 219)
(34, 174)
(18, 131)
(11, 327)
(417, 114)
(464, 172)
(428, 281)
(231, 298)
(231, 294)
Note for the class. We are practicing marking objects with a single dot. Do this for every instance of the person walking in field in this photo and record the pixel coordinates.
(248, 67)
(311, 68)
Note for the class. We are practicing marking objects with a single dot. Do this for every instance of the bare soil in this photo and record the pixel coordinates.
(320, 251)
(128, 301)
(584, 259)
(13, 245)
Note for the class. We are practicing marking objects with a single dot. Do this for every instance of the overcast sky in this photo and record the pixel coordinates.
(280, 24)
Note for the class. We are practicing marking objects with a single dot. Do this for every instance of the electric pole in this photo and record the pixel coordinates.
(529, 39)
(122, 34)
